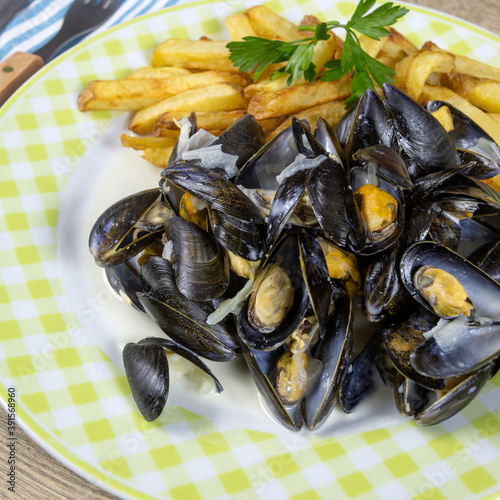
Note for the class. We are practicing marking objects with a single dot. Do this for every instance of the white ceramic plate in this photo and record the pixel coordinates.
(63, 330)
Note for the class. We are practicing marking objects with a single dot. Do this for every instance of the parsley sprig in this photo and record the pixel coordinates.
(256, 54)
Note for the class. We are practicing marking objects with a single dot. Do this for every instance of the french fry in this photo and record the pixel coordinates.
(482, 119)
(217, 97)
(162, 72)
(401, 69)
(239, 26)
(422, 66)
(495, 116)
(134, 94)
(158, 157)
(148, 142)
(483, 93)
(443, 114)
(468, 66)
(123, 94)
(294, 99)
(396, 47)
(332, 112)
(269, 25)
(370, 46)
(216, 120)
(197, 54)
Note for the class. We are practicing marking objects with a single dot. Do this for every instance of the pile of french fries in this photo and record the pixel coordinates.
(197, 76)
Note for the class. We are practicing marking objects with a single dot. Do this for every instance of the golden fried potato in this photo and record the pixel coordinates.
(215, 120)
(294, 99)
(269, 25)
(217, 97)
(482, 92)
(162, 72)
(331, 112)
(148, 142)
(239, 26)
(443, 114)
(134, 94)
(157, 156)
(198, 54)
(422, 65)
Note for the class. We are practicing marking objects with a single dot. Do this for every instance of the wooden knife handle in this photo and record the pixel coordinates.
(15, 70)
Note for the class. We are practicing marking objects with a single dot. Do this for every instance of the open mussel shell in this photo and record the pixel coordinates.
(384, 295)
(387, 163)
(454, 400)
(388, 227)
(127, 227)
(458, 347)
(332, 200)
(326, 137)
(124, 280)
(183, 320)
(316, 278)
(186, 354)
(146, 367)
(286, 253)
(261, 170)
(467, 134)
(361, 375)
(241, 139)
(402, 338)
(201, 266)
(285, 201)
(421, 136)
(334, 351)
(481, 289)
(262, 366)
(410, 397)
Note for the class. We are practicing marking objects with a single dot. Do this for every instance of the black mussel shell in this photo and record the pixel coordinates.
(201, 266)
(186, 354)
(146, 367)
(421, 136)
(287, 250)
(127, 227)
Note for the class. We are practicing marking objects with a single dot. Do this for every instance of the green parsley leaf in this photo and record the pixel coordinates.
(256, 54)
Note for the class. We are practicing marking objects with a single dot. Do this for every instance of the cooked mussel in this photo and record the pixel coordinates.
(278, 300)
(201, 266)
(447, 284)
(421, 136)
(146, 367)
(127, 227)
(183, 320)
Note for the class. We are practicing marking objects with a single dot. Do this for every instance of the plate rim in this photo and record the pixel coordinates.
(52, 444)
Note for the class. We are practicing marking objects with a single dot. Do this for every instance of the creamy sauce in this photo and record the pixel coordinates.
(106, 174)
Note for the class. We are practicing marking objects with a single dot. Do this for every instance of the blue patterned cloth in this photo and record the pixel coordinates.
(40, 20)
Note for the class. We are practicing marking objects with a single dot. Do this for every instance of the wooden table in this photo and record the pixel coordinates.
(40, 476)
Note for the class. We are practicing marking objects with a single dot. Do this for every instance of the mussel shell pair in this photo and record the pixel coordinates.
(183, 320)
(147, 371)
(127, 227)
(333, 350)
(429, 407)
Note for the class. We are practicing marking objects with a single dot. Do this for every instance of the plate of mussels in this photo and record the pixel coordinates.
(317, 315)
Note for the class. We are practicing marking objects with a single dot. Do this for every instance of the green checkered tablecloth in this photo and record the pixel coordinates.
(73, 396)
